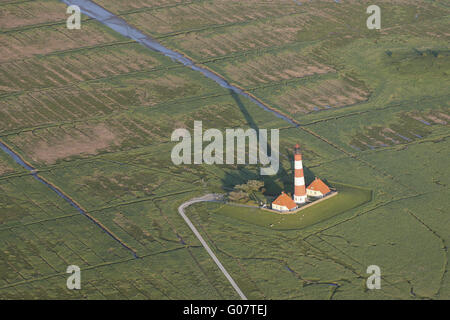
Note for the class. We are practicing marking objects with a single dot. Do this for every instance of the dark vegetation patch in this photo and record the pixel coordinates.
(408, 127)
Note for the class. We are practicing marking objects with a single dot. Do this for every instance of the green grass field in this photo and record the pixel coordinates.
(348, 198)
(93, 111)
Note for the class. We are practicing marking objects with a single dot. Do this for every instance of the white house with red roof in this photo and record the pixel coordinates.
(317, 189)
(284, 203)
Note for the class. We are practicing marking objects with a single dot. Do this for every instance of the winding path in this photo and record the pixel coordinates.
(208, 198)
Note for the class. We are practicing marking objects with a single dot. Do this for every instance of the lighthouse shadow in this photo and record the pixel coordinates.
(273, 184)
(244, 110)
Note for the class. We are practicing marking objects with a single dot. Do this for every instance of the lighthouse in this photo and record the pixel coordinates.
(299, 179)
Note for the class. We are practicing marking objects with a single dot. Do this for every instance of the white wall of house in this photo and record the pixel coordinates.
(313, 193)
(279, 208)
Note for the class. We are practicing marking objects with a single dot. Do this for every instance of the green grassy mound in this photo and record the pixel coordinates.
(349, 197)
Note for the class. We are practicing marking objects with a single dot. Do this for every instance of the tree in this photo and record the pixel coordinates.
(251, 186)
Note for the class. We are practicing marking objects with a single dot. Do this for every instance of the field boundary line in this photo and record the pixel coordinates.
(375, 206)
(100, 265)
(23, 225)
(76, 83)
(269, 48)
(142, 200)
(444, 247)
(21, 161)
(61, 274)
(57, 52)
(131, 109)
(386, 107)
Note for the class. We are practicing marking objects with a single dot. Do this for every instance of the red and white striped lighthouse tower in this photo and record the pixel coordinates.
(299, 179)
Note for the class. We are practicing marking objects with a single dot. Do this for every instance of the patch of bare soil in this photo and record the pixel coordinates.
(436, 119)
(4, 169)
(98, 138)
(30, 13)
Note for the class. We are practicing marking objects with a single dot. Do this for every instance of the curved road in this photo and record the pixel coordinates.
(208, 198)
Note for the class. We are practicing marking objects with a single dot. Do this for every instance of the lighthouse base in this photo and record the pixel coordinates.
(300, 199)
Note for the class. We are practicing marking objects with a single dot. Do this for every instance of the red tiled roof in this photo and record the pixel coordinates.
(285, 201)
(319, 185)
